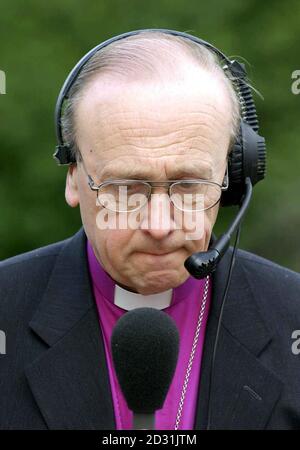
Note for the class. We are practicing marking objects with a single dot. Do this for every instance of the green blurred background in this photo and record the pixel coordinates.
(41, 41)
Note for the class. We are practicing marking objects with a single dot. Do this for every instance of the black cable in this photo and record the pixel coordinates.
(238, 232)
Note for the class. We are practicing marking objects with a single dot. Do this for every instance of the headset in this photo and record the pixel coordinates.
(246, 163)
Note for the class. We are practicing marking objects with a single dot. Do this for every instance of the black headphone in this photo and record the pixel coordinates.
(248, 156)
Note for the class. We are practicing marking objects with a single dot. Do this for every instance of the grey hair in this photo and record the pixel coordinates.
(145, 54)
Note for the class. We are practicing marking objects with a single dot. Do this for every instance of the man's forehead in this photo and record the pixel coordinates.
(109, 95)
(154, 122)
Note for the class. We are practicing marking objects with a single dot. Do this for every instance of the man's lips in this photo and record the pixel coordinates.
(158, 253)
(161, 260)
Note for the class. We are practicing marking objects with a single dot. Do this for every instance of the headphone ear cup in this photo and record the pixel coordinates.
(235, 189)
(63, 155)
(247, 159)
(254, 154)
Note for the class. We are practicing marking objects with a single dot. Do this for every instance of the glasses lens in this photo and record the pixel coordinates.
(122, 197)
(195, 196)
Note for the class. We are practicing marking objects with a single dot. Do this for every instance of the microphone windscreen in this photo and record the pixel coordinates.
(145, 345)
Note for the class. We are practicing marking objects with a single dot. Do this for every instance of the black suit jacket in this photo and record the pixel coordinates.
(54, 373)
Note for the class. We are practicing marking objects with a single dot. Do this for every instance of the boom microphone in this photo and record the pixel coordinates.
(145, 345)
(201, 264)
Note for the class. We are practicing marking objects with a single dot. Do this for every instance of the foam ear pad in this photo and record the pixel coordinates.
(247, 159)
(235, 189)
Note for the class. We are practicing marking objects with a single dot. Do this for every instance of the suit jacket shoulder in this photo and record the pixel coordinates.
(23, 279)
(279, 289)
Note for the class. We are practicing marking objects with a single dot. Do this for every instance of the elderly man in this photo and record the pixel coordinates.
(157, 116)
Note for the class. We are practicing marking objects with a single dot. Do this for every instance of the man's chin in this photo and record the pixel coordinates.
(160, 281)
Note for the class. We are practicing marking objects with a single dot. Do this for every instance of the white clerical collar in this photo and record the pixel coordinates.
(130, 300)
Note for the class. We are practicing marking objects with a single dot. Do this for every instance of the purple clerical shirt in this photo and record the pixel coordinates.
(184, 310)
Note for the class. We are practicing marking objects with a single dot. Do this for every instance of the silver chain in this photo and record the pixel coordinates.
(189, 367)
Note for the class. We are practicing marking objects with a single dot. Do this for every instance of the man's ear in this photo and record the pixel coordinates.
(71, 191)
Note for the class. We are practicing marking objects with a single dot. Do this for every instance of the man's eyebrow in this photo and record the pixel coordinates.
(192, 170)
(144, 173)
(125, 173)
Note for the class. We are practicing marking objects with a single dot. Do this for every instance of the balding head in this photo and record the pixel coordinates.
(149, 57)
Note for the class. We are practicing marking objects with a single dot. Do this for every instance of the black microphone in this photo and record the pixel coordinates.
(201, 264)
(145, 345)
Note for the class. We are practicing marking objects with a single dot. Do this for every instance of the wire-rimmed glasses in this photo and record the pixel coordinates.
(122, 195)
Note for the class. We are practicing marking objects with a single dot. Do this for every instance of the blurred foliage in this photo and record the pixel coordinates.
(41, 41)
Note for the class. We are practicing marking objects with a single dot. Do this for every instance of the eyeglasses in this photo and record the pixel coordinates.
(123, 195)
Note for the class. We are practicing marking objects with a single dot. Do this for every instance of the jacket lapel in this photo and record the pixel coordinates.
(70, 380)
(243, 391)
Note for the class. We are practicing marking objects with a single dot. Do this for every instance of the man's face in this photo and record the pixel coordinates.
(155, 131)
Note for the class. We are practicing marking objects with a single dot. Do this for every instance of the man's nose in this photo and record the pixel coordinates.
(158, 217)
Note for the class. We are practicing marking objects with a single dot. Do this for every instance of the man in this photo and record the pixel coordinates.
(150, 110)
